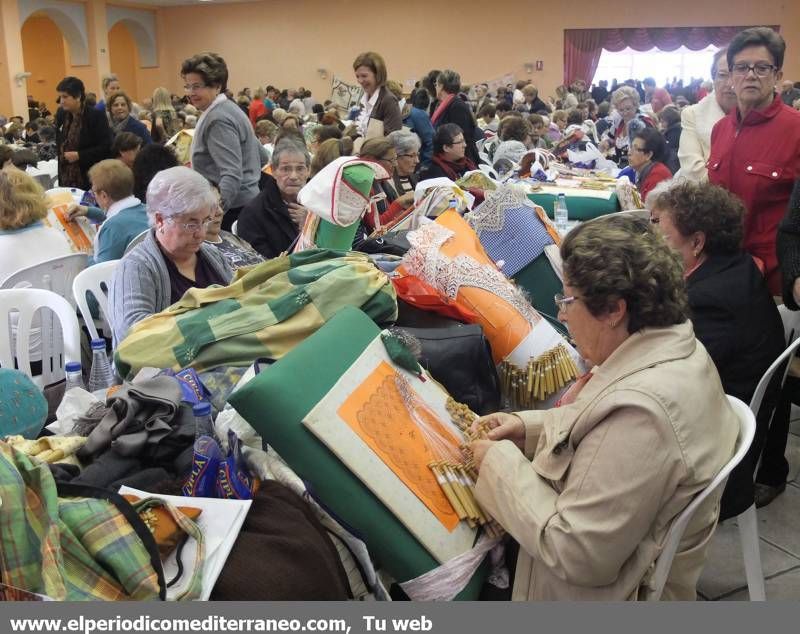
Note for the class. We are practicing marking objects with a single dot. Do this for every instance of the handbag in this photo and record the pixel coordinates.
(460, 358)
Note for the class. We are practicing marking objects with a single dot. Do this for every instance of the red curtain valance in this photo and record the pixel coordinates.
(582, 47)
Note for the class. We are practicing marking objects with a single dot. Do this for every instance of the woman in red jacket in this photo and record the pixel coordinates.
(647, 154)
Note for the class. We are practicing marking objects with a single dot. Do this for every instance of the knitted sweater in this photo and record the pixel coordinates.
(140, 286)
(226, 151)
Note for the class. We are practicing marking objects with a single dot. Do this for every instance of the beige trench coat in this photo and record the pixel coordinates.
(592, 498)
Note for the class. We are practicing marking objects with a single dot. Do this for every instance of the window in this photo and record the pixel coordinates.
(662, 66)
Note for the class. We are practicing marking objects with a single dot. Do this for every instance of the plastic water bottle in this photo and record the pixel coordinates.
(203, 425)
(561, 215)
(100, 378)
(74, 376)
(453, 205)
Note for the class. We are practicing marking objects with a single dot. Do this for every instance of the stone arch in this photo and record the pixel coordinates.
(141, 25)
(71, 21)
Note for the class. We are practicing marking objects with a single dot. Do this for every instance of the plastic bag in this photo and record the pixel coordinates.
(414, 291)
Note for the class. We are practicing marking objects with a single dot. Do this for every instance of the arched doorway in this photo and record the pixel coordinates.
(124, 58)
(45, 56)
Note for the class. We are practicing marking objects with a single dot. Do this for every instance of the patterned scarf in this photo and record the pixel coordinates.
(69, 174)
(443, 105)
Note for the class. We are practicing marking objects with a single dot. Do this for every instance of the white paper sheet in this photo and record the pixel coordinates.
(220, 523)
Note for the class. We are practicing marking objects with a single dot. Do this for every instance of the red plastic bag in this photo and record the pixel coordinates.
(422, 295)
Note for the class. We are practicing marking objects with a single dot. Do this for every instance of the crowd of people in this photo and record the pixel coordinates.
(717, 164)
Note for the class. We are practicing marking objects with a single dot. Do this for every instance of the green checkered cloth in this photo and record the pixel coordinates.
(70, 549)
(265, 312)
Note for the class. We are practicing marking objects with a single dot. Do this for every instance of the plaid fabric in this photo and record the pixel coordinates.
(512, 229)
(264, 312)
(70, 549)
(521, 240)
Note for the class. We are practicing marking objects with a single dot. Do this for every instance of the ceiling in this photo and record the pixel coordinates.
(177, 3)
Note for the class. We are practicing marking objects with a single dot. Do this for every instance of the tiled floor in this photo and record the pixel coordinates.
(779, 531)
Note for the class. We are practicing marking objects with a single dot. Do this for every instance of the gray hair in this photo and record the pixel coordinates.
(289, 145)
(622, 93)
(450, 81)
(178, 190)
(404, 142)
(659, 190)
(715, 60)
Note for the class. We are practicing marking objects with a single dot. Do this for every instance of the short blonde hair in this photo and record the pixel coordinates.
(113, 177)
(622, 93)
(22, 200)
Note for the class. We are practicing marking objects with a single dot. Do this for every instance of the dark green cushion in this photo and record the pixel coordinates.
(276, 401)
(541, 283)
(331, 236)
(579, 208)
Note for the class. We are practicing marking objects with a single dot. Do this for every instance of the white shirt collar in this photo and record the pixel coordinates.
(115, 208)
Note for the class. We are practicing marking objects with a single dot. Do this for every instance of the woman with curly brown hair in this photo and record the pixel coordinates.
(590, 489)
(733, 313)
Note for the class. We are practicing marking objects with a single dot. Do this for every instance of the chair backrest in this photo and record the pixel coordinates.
(92, 280)
(77, 194)
(54, 275)
(133, 243)
(747, 429)
(791, 323)
(780, 364)
(24, 302)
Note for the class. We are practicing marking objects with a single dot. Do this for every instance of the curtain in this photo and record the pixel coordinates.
(582, 47)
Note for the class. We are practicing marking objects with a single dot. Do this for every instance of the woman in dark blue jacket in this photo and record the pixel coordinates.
(119, 109)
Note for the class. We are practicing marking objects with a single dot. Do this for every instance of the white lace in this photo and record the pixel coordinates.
(491, 214)
(446, 275)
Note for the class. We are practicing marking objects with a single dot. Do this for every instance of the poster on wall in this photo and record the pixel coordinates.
(344, 96)
(503, 81)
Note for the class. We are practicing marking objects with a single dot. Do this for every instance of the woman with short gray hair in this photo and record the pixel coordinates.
(271, 222)
(225, 149)
(407, 145)
(173, 257)
(626, 122)
(453, 109)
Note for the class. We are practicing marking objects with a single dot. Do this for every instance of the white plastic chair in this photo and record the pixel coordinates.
(91, 280)
(235, 227)
(135, 242)
(791, 323)
(24, 302)
(54, 275)
(747, 429)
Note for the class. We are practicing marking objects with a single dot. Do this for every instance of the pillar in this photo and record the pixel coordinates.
(13, 97)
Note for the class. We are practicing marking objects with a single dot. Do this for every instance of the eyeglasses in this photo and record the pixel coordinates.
(288, 169)
(722, 75)
(562, 302)
(413, 155)
(634, 148)
(193, 87)
(461, 142)
(192, 227)
(761, 70)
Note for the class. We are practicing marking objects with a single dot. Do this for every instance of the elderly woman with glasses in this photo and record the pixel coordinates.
(399, 191)
(733, 314)
(225, 149)
(449, 154)
(590, 488)
(626, 121)
(173, 257)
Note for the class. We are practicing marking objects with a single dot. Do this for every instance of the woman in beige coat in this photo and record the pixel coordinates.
(589, 489)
